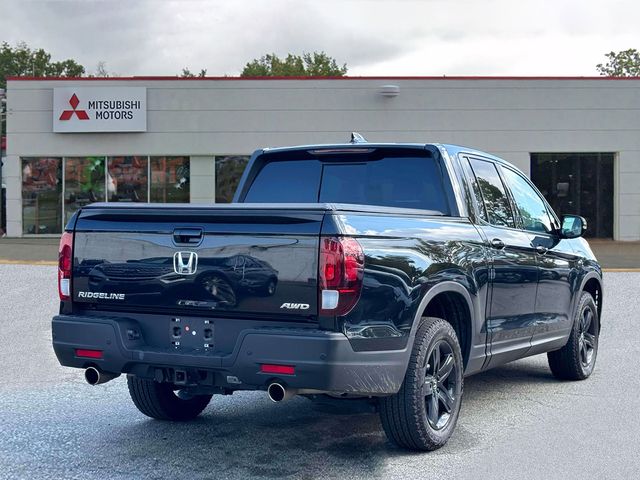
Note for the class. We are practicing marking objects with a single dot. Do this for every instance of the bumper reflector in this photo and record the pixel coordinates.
(88, 353)
(279, 369)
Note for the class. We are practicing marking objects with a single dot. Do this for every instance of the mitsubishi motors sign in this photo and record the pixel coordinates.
(99, 109)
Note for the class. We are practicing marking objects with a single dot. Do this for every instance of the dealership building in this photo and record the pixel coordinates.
(71, 142)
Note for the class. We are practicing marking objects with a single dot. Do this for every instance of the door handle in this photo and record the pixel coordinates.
(187, 236)
(497, 243)
(541, 250)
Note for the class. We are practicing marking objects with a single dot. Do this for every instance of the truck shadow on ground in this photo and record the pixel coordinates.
(248, 436)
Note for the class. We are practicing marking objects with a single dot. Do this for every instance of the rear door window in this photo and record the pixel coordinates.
(475, 189)
(494, 194)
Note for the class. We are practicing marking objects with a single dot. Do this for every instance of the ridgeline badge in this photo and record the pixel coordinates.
(99, 109)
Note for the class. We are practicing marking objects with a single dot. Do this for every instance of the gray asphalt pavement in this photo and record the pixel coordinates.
(516, 421)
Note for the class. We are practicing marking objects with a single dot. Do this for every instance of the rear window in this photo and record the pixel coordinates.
(286, 182)
(395, 181)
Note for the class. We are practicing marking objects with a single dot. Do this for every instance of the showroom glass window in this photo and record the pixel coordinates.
(229, 169)
(580, 183)
(127, 179)
(41, 195)
(83, 183)
(170, 179)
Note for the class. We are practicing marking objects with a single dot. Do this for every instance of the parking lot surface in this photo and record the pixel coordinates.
(516, 421)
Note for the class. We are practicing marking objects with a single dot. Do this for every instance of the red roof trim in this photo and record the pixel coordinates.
(148, 78)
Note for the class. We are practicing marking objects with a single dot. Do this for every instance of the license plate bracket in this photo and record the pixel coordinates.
(191, 333)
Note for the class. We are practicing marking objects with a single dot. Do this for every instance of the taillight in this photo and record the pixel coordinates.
(65, 265)
(340, 274)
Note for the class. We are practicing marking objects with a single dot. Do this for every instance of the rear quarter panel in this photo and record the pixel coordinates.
(407, 260)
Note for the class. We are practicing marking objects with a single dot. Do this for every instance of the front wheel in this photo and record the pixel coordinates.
(163, 402)
(577, 359)
(424, 412)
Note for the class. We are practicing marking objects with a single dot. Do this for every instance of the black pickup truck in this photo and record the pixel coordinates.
(360, 270)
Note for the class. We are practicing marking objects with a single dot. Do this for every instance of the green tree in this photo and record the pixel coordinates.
(186, 73)
(316, 64)
(621, 64)
(21, 61)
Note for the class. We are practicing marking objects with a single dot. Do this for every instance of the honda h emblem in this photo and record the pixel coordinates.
(185, 263)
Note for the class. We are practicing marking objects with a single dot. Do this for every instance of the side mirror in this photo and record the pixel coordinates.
(573, 226)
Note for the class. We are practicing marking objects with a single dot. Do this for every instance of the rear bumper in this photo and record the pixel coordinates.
(324, 361)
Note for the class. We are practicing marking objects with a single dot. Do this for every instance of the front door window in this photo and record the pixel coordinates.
(531, 208)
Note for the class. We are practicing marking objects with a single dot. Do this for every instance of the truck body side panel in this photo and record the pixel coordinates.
(406, 257)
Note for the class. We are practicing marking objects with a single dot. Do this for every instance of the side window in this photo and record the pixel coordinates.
(531, 207)
(475, 189)
(494, 194)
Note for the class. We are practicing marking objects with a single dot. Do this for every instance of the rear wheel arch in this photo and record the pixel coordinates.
(453, 303)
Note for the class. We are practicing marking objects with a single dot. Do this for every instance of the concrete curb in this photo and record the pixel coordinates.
(27, 262)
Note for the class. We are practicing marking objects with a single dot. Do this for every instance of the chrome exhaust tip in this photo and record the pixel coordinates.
(93, 376)
(278, 393)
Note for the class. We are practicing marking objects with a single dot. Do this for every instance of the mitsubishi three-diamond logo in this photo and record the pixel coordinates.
(67, 114)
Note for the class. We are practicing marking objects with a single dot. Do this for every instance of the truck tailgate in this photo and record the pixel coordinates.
(236, 260)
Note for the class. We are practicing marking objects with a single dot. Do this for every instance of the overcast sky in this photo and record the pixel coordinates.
(373, 37)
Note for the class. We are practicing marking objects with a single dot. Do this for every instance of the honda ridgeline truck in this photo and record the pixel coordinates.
(379, 271)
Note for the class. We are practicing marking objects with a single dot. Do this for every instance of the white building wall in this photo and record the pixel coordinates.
(201, 118)
(628, 195)
(12, 178)
(203, 179)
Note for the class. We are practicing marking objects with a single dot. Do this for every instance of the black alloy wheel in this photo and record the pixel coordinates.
(587, 338)
(577, 359)
(221, 290)
(440, 384)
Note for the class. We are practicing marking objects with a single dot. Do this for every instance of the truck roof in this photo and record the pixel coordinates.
(450, 148)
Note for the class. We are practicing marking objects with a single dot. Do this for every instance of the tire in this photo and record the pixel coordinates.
(423, 414)
(577, 359)
(158, 400)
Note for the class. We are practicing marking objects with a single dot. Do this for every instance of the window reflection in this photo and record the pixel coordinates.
(170, 179)
(229, 169)
(475, 189)
(532, 209)
(83, 183)
(493, 192)
(127, 179)
(41, 195)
